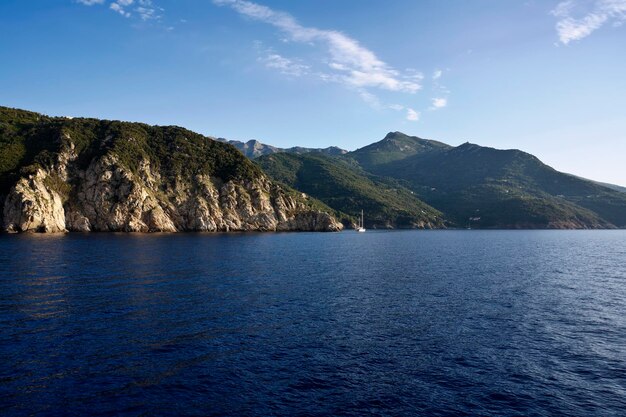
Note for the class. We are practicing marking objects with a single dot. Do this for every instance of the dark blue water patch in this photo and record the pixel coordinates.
(381, 323)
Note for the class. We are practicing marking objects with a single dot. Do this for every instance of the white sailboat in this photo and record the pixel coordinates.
(361, 227)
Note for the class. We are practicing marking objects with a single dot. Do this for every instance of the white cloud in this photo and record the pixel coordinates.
(439, 103)
(144, 9)
(353, 64)
(116, 7)
(411, 74)
(147, 10)
(412, 115)
(145, 13)
(437, 74)
(577, 20)
(284, 65)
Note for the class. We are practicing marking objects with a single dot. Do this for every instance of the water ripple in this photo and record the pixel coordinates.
(383, 323)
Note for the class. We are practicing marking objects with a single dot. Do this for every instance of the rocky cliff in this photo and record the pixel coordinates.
(84, 175)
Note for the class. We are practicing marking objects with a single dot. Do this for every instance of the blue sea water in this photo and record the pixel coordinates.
(344, 324)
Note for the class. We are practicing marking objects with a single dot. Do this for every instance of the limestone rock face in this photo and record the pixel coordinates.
(107, 196)
(89, 175)
(33, 206)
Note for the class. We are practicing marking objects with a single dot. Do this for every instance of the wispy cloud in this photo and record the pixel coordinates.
(412, 115)
(347, 60)
(284, 65)
(397, 107)
(577, 20)
(440, 92)
(148, 11)
(143, 9)
(372, 100)
(439, 103)
(120, 7)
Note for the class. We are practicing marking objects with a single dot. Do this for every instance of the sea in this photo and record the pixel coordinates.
(382, 323)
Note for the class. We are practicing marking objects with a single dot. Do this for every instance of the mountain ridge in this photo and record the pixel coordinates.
(85, 174)
(254, 149)
(461, 181)
(484, 187)
(335, 150)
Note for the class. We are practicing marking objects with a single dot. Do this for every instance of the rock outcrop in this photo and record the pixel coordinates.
(109, 197)
(33, 206)
(106, 193)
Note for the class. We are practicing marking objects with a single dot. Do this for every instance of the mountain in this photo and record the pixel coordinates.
(470, 185)
(59, 174)
(489, 188)
(394, 147)
(254, 149)
(348, 189)
(611, 186)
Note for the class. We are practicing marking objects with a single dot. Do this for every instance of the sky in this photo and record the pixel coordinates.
(544, 76)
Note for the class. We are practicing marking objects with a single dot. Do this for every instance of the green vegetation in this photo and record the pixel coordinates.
(348, 189)
(56, 183)
(472, 185)
(314, 204)
(394, 147)
(611, 186)
(505, 188)
(400, 181)
(254, 149)
(22, 138)
(29, 140)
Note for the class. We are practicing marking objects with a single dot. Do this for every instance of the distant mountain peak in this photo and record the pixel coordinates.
(394, 135)
(395, 146)
(254, 149)
(471, 146)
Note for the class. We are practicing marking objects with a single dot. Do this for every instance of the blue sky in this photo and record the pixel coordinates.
(547, 77)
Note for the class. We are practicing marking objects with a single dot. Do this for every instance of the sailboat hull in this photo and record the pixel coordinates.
(361, 227)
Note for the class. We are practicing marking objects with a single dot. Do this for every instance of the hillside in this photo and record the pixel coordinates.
(505, 189)
(60, 174)
(611, 186)
(470, 185)
(347, 188)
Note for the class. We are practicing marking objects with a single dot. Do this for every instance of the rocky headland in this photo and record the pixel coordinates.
(83, 175)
